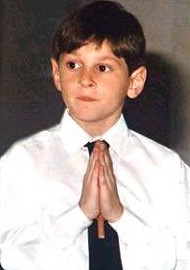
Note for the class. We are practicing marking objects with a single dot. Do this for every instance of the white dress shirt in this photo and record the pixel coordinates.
(43, 228)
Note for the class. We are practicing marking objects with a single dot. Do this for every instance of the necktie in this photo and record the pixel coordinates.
(104, 254)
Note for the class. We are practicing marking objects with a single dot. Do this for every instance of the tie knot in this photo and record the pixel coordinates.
(90, 146)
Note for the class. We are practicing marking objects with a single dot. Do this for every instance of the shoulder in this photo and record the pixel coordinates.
(32, 145)
(158, 163)
(152, 149)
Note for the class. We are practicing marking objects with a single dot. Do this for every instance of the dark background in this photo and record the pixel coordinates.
(29, 102)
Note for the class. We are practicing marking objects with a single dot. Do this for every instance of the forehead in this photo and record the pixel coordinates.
(95, 49)
(93, 53)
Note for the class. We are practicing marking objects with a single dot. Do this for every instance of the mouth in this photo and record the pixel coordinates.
(86, 98)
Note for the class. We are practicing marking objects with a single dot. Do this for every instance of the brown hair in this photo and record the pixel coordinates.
(99, 21)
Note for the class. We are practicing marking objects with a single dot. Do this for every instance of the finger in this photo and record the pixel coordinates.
(106, 162)
(91, 184)
(104, 174)
(109, 178)
(108, 159)
(92, 188)
(92, 161)
(105, 156)
(102, 178)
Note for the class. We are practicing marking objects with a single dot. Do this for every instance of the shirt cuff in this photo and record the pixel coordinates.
(66, 227)
(127, 224)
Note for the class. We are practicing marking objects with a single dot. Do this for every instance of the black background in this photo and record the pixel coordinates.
(28, 100)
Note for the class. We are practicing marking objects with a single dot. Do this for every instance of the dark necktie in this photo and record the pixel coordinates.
(104, 254)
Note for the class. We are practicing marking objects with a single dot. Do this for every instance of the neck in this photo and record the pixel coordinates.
(96, 128)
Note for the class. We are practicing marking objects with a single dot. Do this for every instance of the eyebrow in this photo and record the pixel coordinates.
(108, 58)
(100, 58)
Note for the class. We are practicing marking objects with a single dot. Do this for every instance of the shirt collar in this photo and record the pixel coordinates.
(74, 137)
(118, 136)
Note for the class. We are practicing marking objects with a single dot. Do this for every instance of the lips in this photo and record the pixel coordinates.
(86, 98)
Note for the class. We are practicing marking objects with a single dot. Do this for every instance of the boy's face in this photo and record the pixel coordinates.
(94, 84)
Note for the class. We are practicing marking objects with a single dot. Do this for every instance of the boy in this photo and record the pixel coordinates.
(51, 190)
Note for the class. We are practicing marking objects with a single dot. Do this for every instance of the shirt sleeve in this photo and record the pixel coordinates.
(183, 233)
(30, 236)
(171, 239)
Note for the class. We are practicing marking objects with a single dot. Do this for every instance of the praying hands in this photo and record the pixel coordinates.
(99, 194)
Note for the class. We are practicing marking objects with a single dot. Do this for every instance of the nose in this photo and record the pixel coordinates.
(87, 79)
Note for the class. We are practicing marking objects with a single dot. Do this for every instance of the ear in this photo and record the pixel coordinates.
(55, 73)
(137, 81)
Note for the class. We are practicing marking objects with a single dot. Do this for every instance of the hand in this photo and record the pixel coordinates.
(89, 201)
(110, 205)
(99, 193)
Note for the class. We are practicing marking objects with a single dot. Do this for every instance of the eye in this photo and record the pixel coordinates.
(103, 68)
(73, 65)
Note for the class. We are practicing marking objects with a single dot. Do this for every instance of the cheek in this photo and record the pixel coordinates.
(119, 80)
(121, 88)
(67, 84)
(64, 80)
(124, 86)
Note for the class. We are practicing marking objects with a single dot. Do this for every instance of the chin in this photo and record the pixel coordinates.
(83, 114)
(86, 117)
